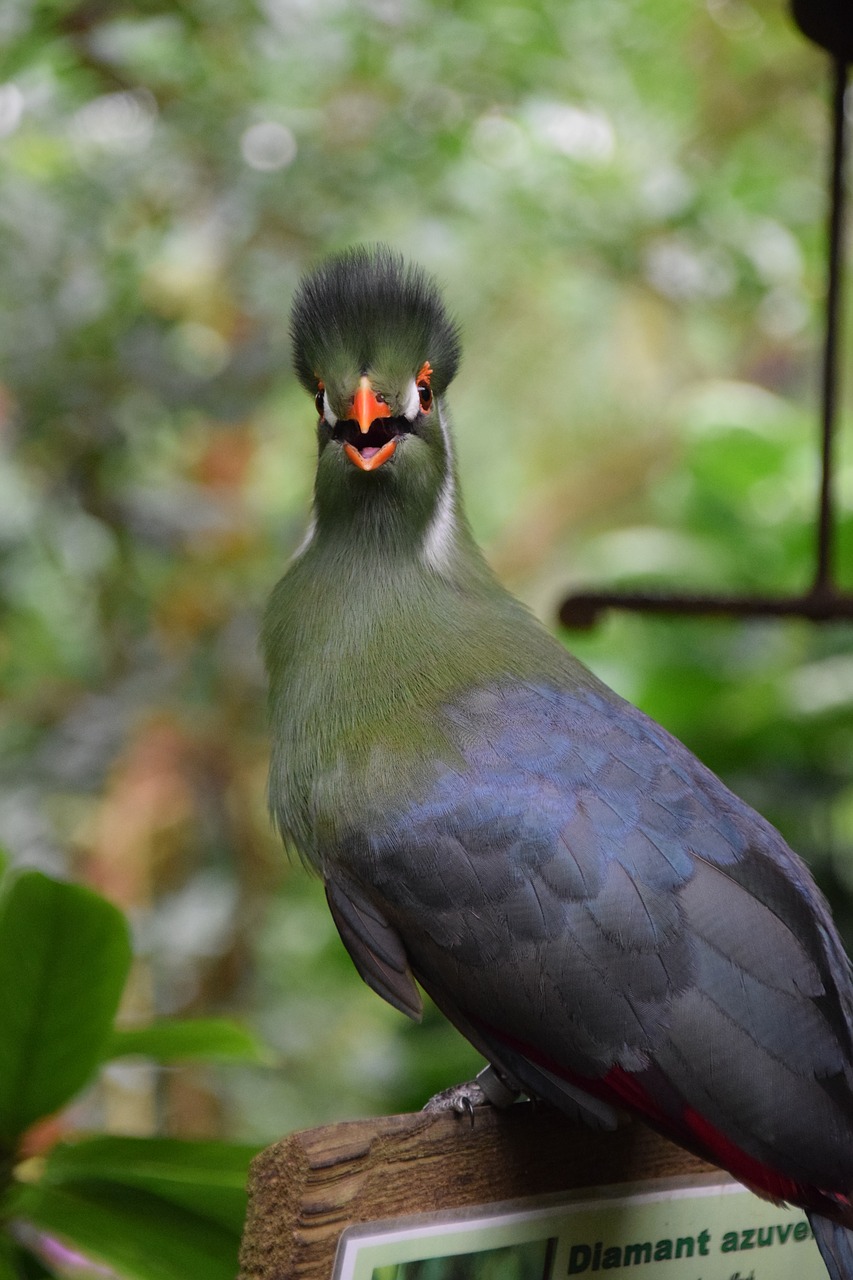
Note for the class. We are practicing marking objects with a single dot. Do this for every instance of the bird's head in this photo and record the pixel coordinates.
(375, 347)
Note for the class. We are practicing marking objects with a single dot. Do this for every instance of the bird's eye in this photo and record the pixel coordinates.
(425, 396)
(319, 402)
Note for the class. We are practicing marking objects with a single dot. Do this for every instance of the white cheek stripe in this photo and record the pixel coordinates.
(441, 530)
(307, 539)
(412, 407)
(328, 411)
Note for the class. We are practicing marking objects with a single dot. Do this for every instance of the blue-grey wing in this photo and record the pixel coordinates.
(579, 891)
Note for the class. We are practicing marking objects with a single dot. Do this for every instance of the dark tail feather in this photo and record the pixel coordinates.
(836, 1246)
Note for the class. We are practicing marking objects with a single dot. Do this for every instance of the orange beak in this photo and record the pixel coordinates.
(367, 407)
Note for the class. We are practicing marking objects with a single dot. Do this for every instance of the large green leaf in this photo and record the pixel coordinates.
(64, 958)
(10, 1268)
(141, 1235)
(207, 1177)
(176, 1039)
(22, 1264)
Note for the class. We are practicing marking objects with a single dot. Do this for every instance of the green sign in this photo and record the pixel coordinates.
(707, 1228)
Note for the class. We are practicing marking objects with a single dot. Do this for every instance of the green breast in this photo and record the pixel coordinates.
(361, 664)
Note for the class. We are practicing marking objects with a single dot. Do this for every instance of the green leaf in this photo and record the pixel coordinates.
(18, 1259)
(64, 959)
(175, 1039)
(25, 1265)
(141, 1235)
(207, 1177)
(9, 1260)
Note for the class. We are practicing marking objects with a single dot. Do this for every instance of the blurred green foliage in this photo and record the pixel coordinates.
(625, 201)
(513, 1262)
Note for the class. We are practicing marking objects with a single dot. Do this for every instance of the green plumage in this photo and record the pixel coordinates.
(368, 634)
(369, 312)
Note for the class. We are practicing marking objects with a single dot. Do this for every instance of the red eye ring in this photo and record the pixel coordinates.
(422, 382)
(320, 400)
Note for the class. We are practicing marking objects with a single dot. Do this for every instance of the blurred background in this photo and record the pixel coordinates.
(625, 203)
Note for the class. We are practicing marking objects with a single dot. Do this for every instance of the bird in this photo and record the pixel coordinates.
(607, 923)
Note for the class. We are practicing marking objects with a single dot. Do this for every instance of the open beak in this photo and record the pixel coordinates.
(367, 408)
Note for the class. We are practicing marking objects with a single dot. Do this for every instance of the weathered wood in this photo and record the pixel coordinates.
(307, 1188)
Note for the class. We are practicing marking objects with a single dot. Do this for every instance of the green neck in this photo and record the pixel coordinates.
(389, 612)
(390, 589)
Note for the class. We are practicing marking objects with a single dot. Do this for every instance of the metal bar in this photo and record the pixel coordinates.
(583, 610)
(823, 602)
(825, 549)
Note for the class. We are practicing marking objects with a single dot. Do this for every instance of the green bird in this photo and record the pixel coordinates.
(605, 921)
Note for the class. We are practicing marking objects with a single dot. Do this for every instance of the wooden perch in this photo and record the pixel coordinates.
(305, 1190)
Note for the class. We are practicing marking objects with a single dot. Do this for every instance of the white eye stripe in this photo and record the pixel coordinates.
(328, 412)
(412, 406)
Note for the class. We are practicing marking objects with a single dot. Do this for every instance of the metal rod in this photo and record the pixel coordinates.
(824, 569)
(582, 611)
(823, 602)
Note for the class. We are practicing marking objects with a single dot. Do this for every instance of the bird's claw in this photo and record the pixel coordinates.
(488, 1089)
(466, 1106)
(461, 1098)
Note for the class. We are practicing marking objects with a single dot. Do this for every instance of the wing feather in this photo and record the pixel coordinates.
(588, 896)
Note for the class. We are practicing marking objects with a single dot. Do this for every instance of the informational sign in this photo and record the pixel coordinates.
(706, 1229)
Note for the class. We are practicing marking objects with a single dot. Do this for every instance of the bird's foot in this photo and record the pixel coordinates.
(487, 1089)
(461, 1098)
